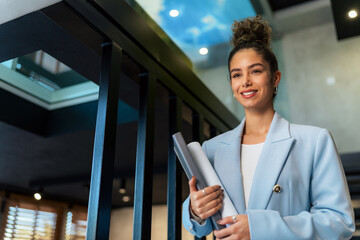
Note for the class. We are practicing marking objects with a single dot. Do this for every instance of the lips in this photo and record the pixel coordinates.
(248, 93)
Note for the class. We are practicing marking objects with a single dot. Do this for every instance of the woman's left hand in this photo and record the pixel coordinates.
(237, 231)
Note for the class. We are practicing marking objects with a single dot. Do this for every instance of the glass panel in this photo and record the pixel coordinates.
(207, 134)
(161, 138)
(49, 112)
(125, 155)
(187, 131)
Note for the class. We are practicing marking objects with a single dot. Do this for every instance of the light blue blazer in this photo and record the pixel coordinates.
(314, 200)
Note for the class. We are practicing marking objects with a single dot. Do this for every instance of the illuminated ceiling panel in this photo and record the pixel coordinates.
(45, 81)
(199, 23)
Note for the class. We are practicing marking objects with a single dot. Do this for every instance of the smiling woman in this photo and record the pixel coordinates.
(285, 180)
(252, 83)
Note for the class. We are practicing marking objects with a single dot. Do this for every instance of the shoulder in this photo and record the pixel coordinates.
(220, 138)
(212, 144)
(308, 132)
(312, 139)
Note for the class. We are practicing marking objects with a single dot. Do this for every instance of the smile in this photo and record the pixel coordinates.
(248, 93)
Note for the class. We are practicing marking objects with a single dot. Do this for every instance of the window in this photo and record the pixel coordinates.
(75, 225)
(24, 218)
(29, 221)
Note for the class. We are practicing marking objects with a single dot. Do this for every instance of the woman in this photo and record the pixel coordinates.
(285, 180)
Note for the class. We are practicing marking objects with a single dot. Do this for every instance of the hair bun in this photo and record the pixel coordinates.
(252, 29)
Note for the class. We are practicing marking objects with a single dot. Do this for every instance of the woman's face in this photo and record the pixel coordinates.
(251, 80)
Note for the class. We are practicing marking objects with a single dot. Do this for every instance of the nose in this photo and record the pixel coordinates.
(246, 81)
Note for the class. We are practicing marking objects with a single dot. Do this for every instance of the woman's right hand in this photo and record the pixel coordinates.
(205, 202)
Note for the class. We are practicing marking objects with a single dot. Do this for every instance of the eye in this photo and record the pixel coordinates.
(256, 71)
(236, 75)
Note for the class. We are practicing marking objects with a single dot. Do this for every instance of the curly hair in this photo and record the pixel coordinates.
(250, 30)
(254, 33)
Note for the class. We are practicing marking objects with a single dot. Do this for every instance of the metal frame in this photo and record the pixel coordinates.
(119, 22)
(144, 159)
(174, 171)
(99, 206)
(198, 135)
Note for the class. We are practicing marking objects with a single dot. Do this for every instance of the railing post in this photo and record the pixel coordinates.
(198, 135)
(144, 159)
(198, 127)
(174, 172)
(99, 207)
(213, 131)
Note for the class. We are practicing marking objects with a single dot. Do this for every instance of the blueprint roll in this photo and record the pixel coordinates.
(210, 176)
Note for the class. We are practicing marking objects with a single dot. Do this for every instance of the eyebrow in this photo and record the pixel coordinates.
(251, 66)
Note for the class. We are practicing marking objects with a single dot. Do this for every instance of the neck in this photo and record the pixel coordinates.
(258, 123)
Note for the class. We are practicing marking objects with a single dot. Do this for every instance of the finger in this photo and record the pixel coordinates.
(223, 232)
(205, 207)
(212, 196)
(206, 212)
(206, 196)
(203, 200)
(226, 220)
(211, 189)
(192, 185)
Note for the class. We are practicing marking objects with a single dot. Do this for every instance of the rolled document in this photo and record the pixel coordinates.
(207, 171)
(190, 168)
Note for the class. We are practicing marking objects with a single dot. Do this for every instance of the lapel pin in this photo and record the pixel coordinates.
(277, 188)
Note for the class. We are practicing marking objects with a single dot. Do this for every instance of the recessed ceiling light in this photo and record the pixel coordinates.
(203, 51)
(37, 196)
(174, 13)
(352, 13)
(126, 198)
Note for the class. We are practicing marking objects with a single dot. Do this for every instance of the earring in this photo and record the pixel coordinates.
(276, 89)
(234, 95)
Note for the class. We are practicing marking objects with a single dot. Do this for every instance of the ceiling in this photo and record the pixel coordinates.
(345, 26)
(52, 149)
(199, 25)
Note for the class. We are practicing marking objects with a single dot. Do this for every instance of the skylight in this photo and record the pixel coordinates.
(45, 81)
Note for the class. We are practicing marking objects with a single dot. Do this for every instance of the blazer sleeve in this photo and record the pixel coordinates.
(192, 225)
(330, 216)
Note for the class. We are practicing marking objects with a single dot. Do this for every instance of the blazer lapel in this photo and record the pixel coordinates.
(272, 159)
(227, 165)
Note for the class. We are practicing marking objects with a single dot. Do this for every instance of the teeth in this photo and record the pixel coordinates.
(248, 93)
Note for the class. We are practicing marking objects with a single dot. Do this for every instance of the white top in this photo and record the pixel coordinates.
(250, 155)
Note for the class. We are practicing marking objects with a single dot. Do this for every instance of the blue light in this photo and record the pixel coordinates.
(201, 23)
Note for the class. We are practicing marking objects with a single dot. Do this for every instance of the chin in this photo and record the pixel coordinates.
(255, 106)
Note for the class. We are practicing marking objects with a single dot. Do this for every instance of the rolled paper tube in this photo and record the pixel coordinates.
(210, 176)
